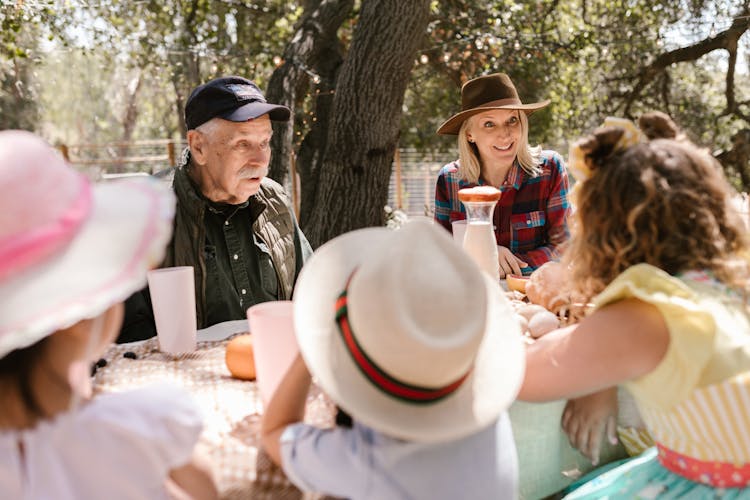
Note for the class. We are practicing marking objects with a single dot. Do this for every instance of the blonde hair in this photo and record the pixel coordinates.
(470, 164)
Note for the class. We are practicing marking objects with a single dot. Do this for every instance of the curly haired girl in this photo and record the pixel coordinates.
(663, 258)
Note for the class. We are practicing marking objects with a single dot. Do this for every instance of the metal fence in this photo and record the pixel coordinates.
(411, 188)
(412, 185)
(124, 157)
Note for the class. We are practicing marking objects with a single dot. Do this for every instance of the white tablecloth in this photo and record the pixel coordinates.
(547, 463)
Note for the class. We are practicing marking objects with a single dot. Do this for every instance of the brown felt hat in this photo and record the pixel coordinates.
(494, 91)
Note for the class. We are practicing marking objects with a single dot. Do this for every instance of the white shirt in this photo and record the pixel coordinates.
(118, 446)
(360, 463)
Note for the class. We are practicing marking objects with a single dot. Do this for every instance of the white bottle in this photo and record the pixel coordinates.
(479, 240)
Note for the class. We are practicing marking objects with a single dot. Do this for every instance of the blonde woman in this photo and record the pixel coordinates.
(531, 217)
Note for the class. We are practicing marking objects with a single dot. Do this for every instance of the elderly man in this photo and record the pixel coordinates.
(235, 226)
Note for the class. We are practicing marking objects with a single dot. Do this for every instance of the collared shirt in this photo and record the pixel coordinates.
(264, 235)
(360, 463)
(531, 217)
(239, 270)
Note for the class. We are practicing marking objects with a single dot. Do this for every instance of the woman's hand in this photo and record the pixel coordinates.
(509, 263)
(586, 419)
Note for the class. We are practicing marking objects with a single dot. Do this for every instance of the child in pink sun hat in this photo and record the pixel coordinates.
(70, 253)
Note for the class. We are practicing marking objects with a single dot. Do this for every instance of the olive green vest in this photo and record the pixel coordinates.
(274, 225)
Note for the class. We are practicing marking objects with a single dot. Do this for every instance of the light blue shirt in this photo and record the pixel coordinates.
(360, 463)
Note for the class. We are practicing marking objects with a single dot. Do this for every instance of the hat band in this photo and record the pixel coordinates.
(376, 375)
(17, 252)
(510, 101)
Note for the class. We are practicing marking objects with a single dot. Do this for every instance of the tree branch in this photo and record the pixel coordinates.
(724, 40)
(729, 91)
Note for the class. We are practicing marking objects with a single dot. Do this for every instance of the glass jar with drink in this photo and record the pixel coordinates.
(479, 239)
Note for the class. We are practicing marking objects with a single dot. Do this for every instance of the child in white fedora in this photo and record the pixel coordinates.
(407, 336)
(70, 253)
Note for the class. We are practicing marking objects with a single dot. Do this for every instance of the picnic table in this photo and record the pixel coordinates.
(232, 412)
(231, 408)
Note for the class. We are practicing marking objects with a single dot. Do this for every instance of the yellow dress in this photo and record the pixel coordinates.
(696, 402)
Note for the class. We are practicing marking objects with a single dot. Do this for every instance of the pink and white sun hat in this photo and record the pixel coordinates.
(69, 249)
(406, 334)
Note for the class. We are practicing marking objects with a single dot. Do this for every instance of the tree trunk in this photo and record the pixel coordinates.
(129, 118)
(738, 157)
(364, 125)
(314, 41)
(313, 146)
(186, 73)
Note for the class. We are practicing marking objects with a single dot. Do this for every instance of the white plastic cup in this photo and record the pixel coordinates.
(274, 344)
(172, 292)
(459, 230)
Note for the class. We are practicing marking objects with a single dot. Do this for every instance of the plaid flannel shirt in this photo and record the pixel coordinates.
(531, 217)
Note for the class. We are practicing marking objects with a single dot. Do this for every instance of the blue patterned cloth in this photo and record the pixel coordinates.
(644, 478)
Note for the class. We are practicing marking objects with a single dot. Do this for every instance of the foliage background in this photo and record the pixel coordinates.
(105, 70)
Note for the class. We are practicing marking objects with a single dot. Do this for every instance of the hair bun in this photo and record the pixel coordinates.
(658, 125)
(598, 146)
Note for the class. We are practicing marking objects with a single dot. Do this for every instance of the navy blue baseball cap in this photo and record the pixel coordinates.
(233, 98)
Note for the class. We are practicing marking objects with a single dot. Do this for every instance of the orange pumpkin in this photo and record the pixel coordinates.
(239, 357)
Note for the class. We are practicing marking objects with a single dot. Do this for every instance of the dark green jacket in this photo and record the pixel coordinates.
(275, 225)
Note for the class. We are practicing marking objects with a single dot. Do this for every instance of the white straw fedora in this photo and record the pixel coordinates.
(405, 333)
(69, 249)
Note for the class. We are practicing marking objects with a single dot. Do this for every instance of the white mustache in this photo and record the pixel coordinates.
(249, 173)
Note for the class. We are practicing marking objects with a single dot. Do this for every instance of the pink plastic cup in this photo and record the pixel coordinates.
(274, 344)
(172, 292)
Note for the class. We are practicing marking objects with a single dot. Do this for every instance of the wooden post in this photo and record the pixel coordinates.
(397, 158)
(429, 192)
(295, 184)
(170, 154)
